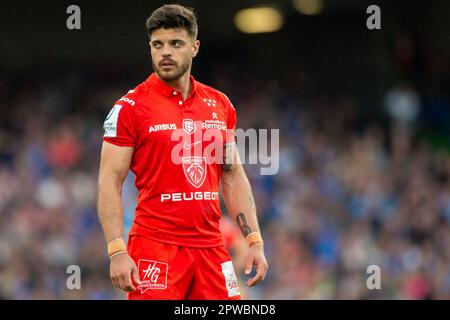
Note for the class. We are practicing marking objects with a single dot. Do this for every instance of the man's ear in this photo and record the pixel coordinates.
(195, 48)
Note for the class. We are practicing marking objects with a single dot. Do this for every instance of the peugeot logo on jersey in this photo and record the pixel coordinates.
(189, 126)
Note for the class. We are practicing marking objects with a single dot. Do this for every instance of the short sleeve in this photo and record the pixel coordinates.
(231, 121)
(119, 126)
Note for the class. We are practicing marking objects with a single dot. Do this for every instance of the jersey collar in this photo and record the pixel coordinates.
(154, 81)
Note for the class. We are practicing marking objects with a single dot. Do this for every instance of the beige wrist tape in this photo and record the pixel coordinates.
(116, 245)
(254, 237)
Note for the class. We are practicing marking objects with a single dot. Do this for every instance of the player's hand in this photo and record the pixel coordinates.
(255, 257)
(122, 270)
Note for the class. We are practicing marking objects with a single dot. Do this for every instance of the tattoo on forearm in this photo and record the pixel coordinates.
(242, 222)
(252, 202)
(227, 164)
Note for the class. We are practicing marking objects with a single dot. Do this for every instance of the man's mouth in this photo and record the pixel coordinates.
(167, 63)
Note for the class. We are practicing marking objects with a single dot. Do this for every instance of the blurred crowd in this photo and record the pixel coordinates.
(349, 193)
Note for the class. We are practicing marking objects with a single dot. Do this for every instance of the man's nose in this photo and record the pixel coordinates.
(167, 51)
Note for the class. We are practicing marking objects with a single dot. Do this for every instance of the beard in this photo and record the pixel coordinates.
(176, 73)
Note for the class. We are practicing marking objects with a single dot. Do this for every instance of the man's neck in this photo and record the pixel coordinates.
(183, 84)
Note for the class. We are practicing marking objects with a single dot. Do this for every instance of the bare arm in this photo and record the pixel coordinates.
(238, 197)
(237, 193)
(114, 165)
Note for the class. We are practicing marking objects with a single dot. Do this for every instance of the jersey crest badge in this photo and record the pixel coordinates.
(189, 126)
(195, 170)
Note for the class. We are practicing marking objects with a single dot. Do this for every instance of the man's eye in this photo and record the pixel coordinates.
(157, 45)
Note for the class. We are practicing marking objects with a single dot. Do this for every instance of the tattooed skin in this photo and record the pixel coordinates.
(250, 199)
(227, 156)
(242, 222)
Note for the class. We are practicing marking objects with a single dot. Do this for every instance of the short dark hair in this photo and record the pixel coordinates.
(173, 16)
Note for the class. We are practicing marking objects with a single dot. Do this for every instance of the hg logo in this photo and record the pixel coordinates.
(153, 274)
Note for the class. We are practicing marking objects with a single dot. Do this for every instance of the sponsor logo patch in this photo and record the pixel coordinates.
(128, 100)
(110, 124)
(230, 279)
(153, 274)
(162, 127)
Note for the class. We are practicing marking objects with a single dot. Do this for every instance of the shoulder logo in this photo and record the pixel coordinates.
(110, 124)
(125, 99)
(210, 102)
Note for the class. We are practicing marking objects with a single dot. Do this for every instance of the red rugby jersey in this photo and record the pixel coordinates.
(178, 201)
